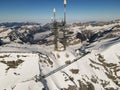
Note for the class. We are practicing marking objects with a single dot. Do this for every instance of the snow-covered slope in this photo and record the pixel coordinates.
(95, 32)
(19, 34)
(98, 70)
(83, 66)
(15, 68)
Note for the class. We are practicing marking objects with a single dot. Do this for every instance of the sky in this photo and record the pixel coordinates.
(41, 10)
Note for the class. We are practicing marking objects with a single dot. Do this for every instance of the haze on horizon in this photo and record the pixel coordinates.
(41, 10)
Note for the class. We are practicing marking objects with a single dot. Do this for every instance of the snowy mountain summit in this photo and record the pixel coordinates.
(90, 62)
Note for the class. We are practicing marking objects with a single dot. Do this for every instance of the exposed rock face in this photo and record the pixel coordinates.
(1, 42)
(24, 37)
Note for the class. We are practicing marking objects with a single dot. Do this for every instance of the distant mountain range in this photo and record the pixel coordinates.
(29, 32)
(17, 24)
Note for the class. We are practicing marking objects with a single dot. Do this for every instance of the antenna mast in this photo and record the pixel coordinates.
(64, 26)
(55, 29)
